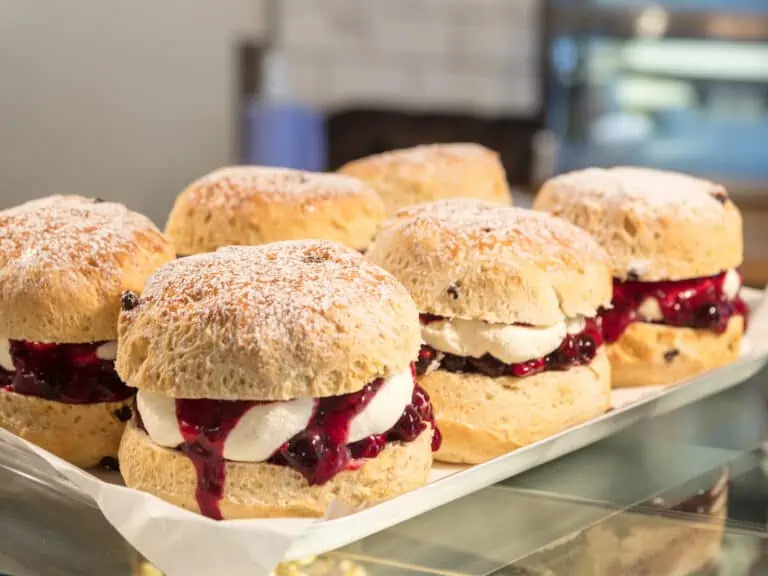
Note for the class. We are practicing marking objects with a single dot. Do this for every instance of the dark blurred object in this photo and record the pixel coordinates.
(249, 58)
(356, 133)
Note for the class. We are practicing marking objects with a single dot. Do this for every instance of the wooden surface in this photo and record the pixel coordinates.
(755, 269)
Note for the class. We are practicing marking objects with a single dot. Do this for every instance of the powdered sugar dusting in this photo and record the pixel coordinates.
(642, 191)
(432, 156)
(233, 186)
(73, 233)
(286, 288)
(486, 228)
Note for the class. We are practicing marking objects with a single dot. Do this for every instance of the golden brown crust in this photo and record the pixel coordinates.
(655, 225)
(481, 418)
(269, 491)
(250, 205)
(81, 434)
(470, 259)
(651, 354)
(300, 319)
(426, 173)
(65, 261)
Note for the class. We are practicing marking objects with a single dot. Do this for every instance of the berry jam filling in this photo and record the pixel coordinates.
(205, 425)
(68, 373)
(574, 350)
(698, 303)
(318, 453)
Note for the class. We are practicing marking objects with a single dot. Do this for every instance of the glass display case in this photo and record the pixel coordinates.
(682, 493)
(673, 84)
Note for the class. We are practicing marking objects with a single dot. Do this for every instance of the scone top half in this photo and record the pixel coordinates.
(433, 172)
(295, 354)
(675, 242)
(64, 263)
(501, 291)
(252, 205)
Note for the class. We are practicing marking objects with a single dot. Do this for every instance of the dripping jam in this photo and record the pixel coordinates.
(697, 303)
(318, 453)
(68, 373)
(575, 350)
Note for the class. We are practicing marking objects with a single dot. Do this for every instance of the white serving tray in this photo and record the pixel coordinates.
(185, 544)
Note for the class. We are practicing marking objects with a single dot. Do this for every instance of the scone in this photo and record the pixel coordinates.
(64, 263)
(273, 380)
(251, 205)
(508, 298)
(433, 172)
(675, 242)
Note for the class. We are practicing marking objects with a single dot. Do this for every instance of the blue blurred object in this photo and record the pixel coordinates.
(285, 134)
(279, 131)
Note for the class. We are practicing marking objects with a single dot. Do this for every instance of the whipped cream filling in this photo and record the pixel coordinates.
(385, 408)
(107, 351)
(6, 362)
(265, 427)
(509, 343)
(650, 310)
(158, 414)
(731, 284)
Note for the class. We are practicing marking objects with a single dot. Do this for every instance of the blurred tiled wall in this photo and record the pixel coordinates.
(129, 101)
(476, 56)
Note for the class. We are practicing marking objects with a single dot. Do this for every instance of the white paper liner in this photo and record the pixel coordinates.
(181, 543)
(178, 542)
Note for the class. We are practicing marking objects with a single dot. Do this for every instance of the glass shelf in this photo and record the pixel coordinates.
(606, 510)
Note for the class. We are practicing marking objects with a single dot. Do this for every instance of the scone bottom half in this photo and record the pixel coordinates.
(661, 333)
(66, 398)
(327, 449)
(706, 303)
(499, 388)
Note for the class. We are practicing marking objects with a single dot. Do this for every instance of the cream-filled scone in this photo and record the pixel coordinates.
(508, 298)
(433, 172)
(273, 380)
(676, 243)
(65, 261)
(251, 205)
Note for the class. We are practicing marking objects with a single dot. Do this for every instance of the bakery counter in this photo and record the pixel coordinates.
(682, 493)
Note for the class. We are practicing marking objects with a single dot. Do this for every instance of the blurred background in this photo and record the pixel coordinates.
(131, 101)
